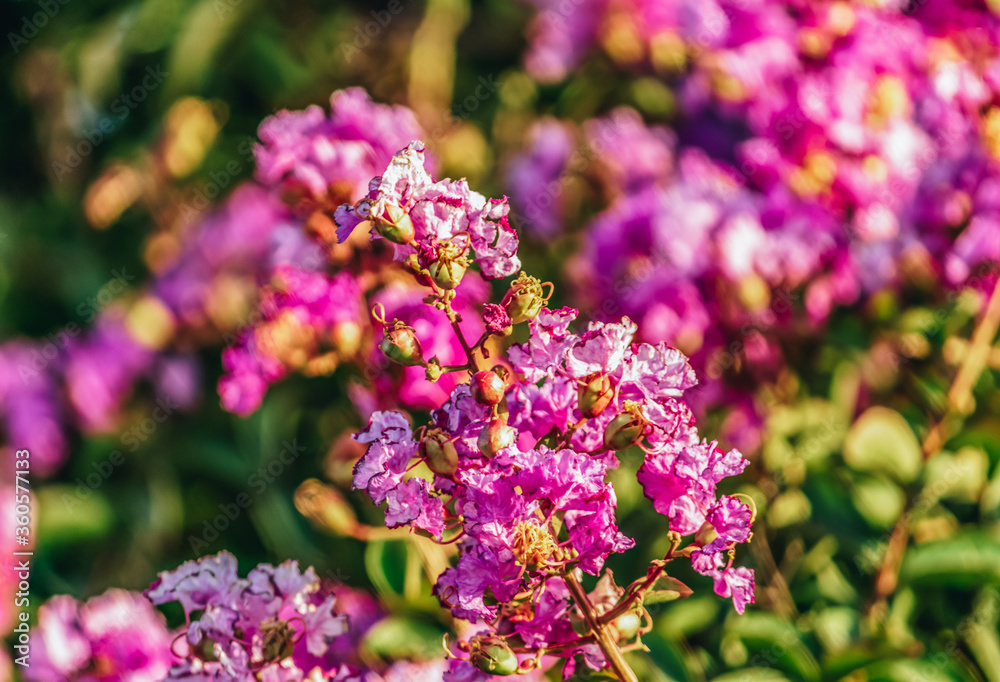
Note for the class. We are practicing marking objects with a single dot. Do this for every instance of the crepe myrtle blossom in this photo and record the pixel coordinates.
(434, 223)
(512, 467)
(311, 321)
(823, 153)
(275, 624)
(116, 636)
(318, 160)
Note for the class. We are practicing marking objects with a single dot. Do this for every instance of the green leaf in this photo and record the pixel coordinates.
(396, 637)
(385, 562)
(882, 441)
(878, 499)
(969, 560)
(790, 507)
(666, 589)
(66, 517)
(755, 674)
(771, 638)
(926, 670)
(960, 476)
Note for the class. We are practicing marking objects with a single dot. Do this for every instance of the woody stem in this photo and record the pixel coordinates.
(609, 647)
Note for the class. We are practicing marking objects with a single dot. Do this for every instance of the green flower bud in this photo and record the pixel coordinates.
(434, 371)
(494, 657)
(401, 345)
(626, 429)
(496, 436)
(487, 388)
(442, 457)
(394, 224)
(595, 396)
(525, 298)
(450, 263)
(705, 534)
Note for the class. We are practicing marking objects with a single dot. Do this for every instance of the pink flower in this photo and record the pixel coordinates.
(439, 212)
(276, 621)
(117, 635)
(737, 583)
(331, 158)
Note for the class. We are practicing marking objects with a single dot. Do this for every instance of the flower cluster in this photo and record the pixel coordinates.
(309, 322)
(308, 317)
(275, 624)
(434, 223)
(83, 380)
(827, 151)
(116, 636)
(513, 465)
(318, 161)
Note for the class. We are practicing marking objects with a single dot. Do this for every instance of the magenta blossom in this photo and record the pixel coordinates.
(116, 636)
(277, 623)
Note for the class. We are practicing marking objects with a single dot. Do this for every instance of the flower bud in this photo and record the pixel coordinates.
(705, 534)
(440, 452)
(325, 507)
(394, 224)
(494, 657)
(447, 273)
(627, 625)
(487, 387)
(525, 299)
(497, 320)
(626, 428)
(401, 345)
(433, 371)
(496, 436)
(595, 396)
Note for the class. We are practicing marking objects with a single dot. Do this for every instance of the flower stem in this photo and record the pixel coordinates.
(960, 403)
(453, 318)
(612, 653)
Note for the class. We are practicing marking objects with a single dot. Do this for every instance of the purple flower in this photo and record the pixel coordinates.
(31, 408)
(276, 620)
(439, 212)
(330, 159)
(737, 583)
(117, 635)
(680, 481)
(310, 319)
(391, 447)
(496, 318)
(100, 371)
(632, 155)
(410, 503)
(536, 177)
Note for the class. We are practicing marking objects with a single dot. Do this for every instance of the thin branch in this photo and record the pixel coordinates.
(959, 404)
(612, 653)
